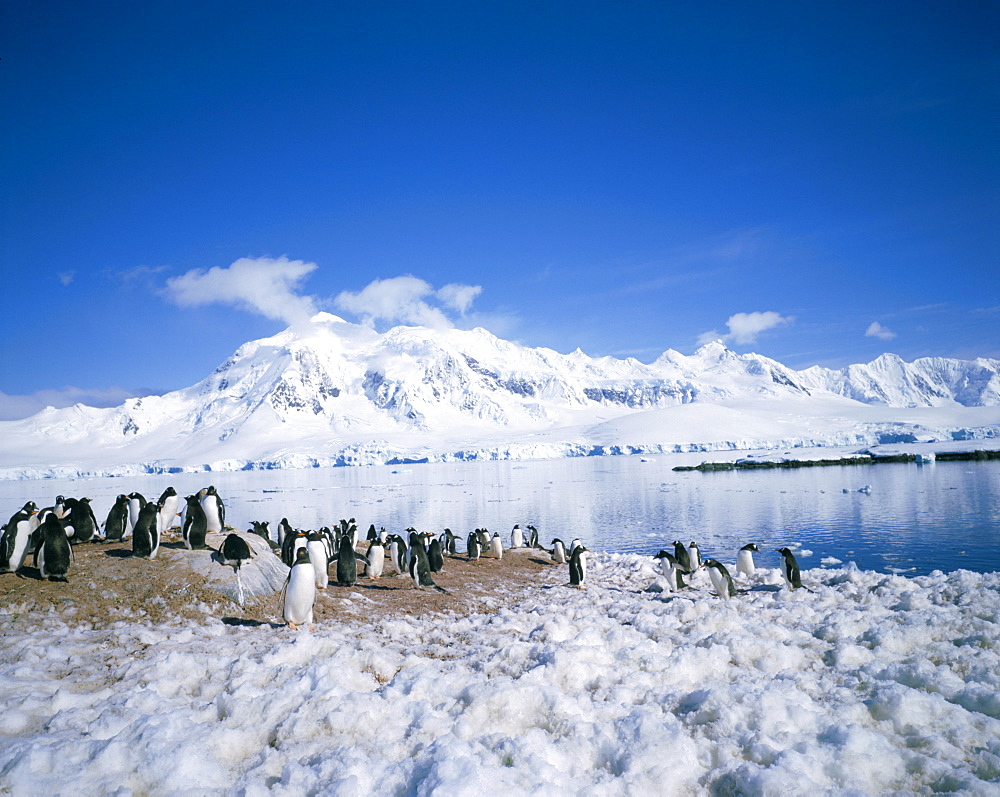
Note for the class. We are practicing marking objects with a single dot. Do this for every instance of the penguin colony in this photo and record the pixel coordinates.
(49, 535)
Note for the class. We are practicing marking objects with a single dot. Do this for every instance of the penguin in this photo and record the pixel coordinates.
(721, 579)
(397, 554)
(449, 541)
(694, 554)
(533, 538)
(289, 544)
(376, 559)
(136, 501)
(558, 552)
(61, 508)
(790, 569)
(169, 501)
(516, 537)
(81, 518)
(682, 557)
(744, 559)
(435, 557)
(420, 569)
(234, 550)
(215, 510)
(484, 539)
(284, 529)
(195, 524)
(347, 564)
(260, 528)
(472, 546)
(16, 540)
(145, 535)
(578, 566)
(319, 555)
(53, 553)
(117, 522)
(299, 592)
(496, 546)
(671, 571)
(572, 545)
(372, 534)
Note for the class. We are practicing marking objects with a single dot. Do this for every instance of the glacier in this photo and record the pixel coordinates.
(330, 393)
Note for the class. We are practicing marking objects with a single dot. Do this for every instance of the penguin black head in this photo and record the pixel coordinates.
(750, 547)
(301, 556)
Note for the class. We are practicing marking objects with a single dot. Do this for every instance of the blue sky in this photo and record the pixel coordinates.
(817, 182)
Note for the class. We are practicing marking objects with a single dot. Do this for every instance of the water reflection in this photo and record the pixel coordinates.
(914, 519)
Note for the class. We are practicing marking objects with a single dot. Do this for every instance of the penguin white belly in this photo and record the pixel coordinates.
(320, 563)
(165, 518)
(718, 582)
(133, 516)
(744, 563)
(300, 595)
(376, 561)
(496, 548)
(21, 539)
(516, 539)
(211, 507)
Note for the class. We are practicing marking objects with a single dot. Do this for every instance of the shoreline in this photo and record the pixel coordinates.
(862, 458)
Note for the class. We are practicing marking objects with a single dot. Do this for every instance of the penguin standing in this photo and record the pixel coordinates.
(195, 524)
(496, 546)
(516, 537)
(533, 537)
(721, 579)
(790, 569)
(694, 554)
(284, 529)
(578, 566)
(145, 534)
(347, 563)
(397, 554)
(671, 571)
(168, 502)
(376, 559)
(744, 559)
(448, 541)
(53, 553)
(16, 540)
(299, 592)
(215, 510)
(420, 569)
(117, 522)
(683, 557)
(472, 546)
(319, 555)
(81, 518)
(558, 552)
(435, 557)
(136, 501)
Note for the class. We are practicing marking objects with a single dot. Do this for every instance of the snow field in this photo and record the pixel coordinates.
(872, 683)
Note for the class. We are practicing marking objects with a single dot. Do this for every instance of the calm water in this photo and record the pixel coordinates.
(916, 518)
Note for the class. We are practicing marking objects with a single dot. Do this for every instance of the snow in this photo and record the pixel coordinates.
(870, 683)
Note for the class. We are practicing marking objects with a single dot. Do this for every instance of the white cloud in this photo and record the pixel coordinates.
(66, 277)
(261, 285)
(407, 300)
(876, 330)
(744, 328)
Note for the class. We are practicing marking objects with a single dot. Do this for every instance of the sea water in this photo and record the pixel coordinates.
(900, 518)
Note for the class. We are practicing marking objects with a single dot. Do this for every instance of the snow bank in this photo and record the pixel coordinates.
(870, 683)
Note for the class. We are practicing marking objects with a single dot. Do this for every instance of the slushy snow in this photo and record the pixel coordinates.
(871, 683)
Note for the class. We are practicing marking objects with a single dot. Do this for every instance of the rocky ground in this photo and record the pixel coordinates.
(107, 586)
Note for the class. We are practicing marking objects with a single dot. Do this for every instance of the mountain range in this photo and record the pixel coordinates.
(328, 393)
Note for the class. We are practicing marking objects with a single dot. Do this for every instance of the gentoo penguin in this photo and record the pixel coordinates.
(682, 557)
(347, 563)
(288, 545)
(694, 554)
(376, 559)
(284, 529)
(484, 539)
(145, 535)
(397, 553)
(558, 551)
(372, 534)
(420, 569)
(195, 524)
(721, 579)
(215, 510)
(234, 551)
(533, 537)
(136, 501)
(319, 555)
(744, 559)
(496, 546)
(472, 546)
(299, 591)
(516, 537)
(448, 541)
(53, 554)
(81, 518)
(117, 522)
(671, 571)
(790, 568)
(435, 558)
(578, 566)
(260, 528)
(16, 540)
(169, 501)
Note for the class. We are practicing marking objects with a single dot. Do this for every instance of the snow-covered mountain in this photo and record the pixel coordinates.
(335, 393)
